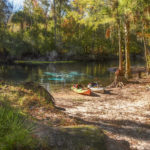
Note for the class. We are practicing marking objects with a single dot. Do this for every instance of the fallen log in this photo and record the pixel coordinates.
(37, 88)
(134, 70)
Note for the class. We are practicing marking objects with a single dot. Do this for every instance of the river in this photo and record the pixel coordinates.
(60, 75)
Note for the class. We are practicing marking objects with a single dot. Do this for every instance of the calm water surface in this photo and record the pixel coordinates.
(61, 75)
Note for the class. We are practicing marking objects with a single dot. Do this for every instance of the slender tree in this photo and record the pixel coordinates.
(55, 22)
(127, 48)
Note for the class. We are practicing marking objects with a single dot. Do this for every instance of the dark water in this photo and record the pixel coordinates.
(60, 75)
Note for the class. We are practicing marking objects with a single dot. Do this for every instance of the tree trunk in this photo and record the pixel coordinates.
(146, 54)
(59, 36)
(119, 80)
(55, 22)
(145, 50)
(46, 22)
(60, 10)
(120, 48)
(127, 50)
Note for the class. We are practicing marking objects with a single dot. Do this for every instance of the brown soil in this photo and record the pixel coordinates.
(124, 113)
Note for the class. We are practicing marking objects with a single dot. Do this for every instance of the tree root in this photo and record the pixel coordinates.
(119, 81)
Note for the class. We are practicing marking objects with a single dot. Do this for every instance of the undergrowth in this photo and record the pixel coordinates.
(15, 132)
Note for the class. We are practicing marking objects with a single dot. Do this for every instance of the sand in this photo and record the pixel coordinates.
(123, 113)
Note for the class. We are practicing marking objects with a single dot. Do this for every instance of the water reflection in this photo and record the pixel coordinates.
(59, 75)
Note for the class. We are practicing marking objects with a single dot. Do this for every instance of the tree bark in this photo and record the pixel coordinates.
(55, 22)
(59, 36)
(120, 48)
(127, 50)
(119, 81)
(145, 50)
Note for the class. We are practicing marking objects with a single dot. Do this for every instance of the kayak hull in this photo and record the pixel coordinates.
(94, 87)
(97, 89)
(81, 91)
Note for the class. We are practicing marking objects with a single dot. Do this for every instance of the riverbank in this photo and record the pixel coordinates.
(63, 58)
(122, 112)
(54, 57)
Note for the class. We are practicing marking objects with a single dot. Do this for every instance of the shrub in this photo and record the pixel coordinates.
(15, 134)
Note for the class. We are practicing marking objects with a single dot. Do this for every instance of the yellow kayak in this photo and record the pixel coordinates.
(80, 90)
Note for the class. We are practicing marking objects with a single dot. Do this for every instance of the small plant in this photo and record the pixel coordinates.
(14, 131)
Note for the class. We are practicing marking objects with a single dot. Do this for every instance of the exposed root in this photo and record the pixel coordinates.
(120, 84)
(119, 81)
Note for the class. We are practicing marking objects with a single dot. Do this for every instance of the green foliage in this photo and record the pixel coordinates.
(4, 11)
(76, 27)
(15, 134)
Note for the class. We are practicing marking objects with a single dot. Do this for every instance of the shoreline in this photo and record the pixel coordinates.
(42, 60)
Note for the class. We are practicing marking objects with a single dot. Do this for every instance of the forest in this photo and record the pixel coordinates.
(65, 29)
(74, 75)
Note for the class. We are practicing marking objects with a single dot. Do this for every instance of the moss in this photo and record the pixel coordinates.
(40, 62)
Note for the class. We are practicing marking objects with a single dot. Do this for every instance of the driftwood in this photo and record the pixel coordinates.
(37, 88)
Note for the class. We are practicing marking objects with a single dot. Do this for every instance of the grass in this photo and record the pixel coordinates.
(14, 131)
(23, 97)
(41, 62)
(35, 103)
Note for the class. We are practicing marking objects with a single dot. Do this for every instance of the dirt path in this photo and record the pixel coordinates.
(124, 113)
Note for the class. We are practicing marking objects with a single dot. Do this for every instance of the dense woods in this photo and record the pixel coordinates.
(65, 28)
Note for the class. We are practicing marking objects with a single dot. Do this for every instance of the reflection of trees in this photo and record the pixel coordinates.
(89, 72)
(96, 69)
(2, 70)
(20, 72)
